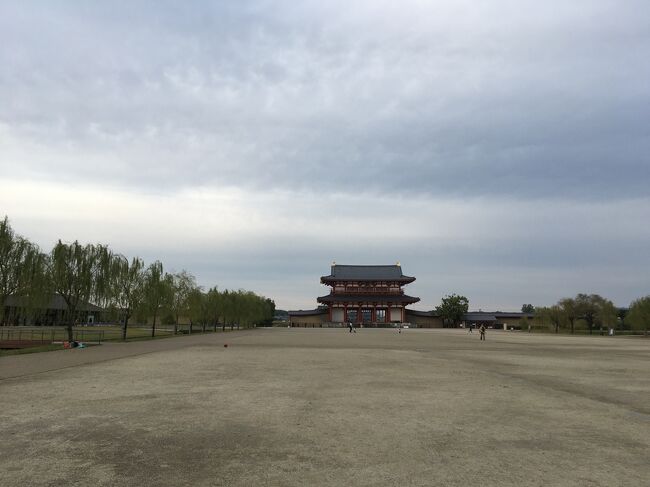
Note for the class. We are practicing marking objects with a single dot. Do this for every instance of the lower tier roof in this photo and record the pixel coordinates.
(367, 298)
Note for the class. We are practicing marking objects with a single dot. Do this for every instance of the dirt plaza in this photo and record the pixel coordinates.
(298, 407)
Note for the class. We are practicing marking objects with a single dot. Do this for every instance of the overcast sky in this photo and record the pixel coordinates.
(499, 149)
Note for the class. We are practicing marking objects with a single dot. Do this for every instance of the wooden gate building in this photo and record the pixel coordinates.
(368, 294)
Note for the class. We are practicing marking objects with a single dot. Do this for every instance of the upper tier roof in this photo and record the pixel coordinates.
(366, 273)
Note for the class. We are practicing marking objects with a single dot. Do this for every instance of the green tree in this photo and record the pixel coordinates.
(527, 308)
(214, 303)
(570, 311)
(639, 314)
(621, 314)
(452, 309)
(595, 310)
(552, 315)
(156, 293)
(181, 284)
(37, 290)
(72, 273)
(15, 251)
(197, 308)
(226, 308)
(129, 287)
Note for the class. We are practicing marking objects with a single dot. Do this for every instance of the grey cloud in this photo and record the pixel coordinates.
(537, 103)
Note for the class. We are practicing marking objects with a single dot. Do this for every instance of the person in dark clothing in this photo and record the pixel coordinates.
(350, 326)
(482, 331)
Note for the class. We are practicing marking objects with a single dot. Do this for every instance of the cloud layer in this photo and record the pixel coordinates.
(496, 148)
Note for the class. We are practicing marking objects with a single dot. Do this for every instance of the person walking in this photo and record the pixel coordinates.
(470, 328)
(350, 326)
(482, 331)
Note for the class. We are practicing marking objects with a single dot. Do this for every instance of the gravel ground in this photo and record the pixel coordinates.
(298, 407)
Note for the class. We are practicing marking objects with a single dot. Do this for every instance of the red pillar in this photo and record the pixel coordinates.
(329, 309)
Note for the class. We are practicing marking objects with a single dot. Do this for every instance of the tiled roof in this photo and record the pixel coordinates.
(56, 302)
(367, 273)
(308, 312)
(368, 298)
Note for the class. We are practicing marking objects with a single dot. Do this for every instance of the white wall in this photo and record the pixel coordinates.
(396, 314)
(337, 315)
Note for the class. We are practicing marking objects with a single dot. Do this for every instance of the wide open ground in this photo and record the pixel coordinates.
(324, 407)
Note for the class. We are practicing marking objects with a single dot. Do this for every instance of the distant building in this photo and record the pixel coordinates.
(372, 295)
(19, 311)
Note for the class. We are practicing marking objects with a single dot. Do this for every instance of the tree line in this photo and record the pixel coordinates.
(589, 310)
(125, 288)
(595, 312)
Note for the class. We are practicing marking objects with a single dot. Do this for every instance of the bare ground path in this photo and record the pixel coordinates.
(29, 364)
(323, 407)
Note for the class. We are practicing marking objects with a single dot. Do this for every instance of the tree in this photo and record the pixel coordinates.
(36, 289)
(553, 315)
(72, 273)
(156, 292)
(569, 309)
(226, 308)
(639, 314)
(15, 251)
(181, 285)
(621, 314)
(452, 309)
(527, 308)
(214, 302)
(129, 287)
(595, 310)
(197, 308)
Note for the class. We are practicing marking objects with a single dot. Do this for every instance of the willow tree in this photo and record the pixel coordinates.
(157, 291)
(14, 251)
(182, 283)
(197, 308)
(552, 315)
(227, 308)
(72, 273)
(570, 311)
(36, 291)
(639, 314)
(129, 287)
(214, 301)
(105, 275)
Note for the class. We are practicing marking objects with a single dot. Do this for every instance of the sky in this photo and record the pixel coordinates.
(497, 149)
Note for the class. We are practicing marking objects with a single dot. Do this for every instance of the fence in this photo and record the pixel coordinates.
(49, 334)
(98, 333)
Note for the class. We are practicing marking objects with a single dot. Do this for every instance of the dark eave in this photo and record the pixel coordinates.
(368, 298)
(308, 312)
(424, 314)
